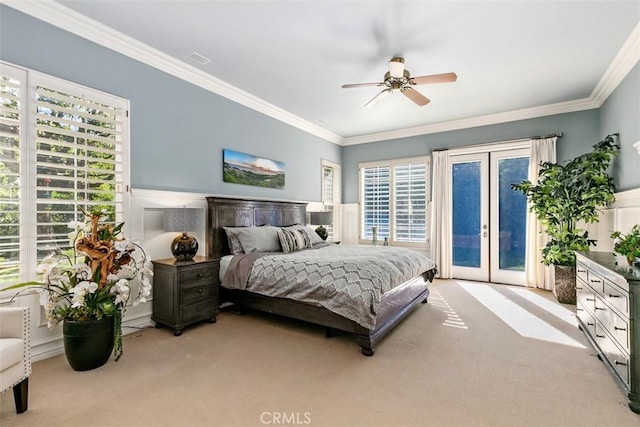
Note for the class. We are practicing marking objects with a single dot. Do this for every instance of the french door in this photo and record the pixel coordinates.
(488, 217)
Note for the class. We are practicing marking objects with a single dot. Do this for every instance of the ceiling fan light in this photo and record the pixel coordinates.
(396, 68)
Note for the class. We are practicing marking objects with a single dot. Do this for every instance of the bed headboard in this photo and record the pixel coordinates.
(230, 212)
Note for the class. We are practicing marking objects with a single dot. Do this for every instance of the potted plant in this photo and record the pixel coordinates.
(627, 245)
(565, 196)
(87, 287)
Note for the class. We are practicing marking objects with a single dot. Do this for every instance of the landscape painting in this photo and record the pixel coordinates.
(241, 168)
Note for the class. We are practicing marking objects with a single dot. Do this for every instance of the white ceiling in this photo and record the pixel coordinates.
(518, 56)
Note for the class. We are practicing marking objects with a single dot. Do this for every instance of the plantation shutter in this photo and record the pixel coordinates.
(331, 196)
(79, 160)
(394, 198)
(62, 147)
(13, 125)
(375, 196)
(410, 202)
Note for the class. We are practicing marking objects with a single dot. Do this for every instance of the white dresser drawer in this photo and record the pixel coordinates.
(617, 358)
(616, 297)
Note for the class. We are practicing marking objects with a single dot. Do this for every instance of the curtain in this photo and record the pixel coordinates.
(441, 214)
(538, 275)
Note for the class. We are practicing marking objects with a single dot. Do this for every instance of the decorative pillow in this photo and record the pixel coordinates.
(259, 239)
(310, 231)
(232, 238)
(293, 240)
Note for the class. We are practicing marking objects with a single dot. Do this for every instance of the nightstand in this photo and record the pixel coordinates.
(185, 292)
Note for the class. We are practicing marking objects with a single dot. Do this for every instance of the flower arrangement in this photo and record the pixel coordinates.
(91, 280)
(627, 245)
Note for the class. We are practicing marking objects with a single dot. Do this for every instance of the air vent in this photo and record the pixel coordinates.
(200, 59)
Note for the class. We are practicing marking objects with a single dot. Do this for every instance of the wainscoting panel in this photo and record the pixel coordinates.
(623, 214)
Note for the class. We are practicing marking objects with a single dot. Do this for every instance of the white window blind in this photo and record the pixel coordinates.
(12, 140)
(410, 202)
(331, 196)
(376, 195)
(75, 159)
(393, 198)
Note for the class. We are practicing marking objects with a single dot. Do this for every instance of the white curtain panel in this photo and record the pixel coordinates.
(537, 274)
(441, 214)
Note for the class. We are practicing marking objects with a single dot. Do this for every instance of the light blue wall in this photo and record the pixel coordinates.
(581, 131)
(178, 130)
(621, 113)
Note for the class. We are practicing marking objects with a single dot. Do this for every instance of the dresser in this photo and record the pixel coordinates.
(185, 292)
(608, 311)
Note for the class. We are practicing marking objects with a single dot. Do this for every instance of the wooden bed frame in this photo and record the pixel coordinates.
(231, 212)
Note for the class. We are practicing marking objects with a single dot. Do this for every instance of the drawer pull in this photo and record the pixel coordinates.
(619, 363)
(200, 275)
(200, 290)
(599, 336)
(595, 281)
(582, 271)
(614, 296)
(619, 329)
(591, 299)
(590, 324)
(579, 309)
(603, 309)
(579, 288)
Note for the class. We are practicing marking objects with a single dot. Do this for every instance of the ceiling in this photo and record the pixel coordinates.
(518, 57)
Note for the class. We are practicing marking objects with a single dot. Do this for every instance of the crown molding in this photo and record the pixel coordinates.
(67, 19)
(491, 119)
(625, 60)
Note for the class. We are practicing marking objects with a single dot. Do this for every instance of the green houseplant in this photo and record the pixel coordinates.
(87, 287)
(565, 196)
(627, 245)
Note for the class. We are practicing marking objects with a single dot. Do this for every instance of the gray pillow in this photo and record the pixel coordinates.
(232, 238)
(258, 239)
(293, 240)
(310, 231)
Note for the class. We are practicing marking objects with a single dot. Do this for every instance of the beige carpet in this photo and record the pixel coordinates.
(450, 363)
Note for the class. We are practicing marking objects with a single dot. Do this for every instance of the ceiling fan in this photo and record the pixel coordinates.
(398, 78)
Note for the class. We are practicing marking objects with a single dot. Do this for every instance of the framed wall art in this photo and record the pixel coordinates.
(247, 169)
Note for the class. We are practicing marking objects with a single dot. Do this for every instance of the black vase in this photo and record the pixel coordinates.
(88, 344)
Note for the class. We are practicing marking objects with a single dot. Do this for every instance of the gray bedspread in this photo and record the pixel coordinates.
(348, 280)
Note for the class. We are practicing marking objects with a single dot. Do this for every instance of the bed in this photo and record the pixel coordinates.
(386, 307)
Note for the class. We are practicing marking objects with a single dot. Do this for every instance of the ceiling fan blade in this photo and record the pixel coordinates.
(415, 96)
(434, 78)
(378, 98)
(362, 85)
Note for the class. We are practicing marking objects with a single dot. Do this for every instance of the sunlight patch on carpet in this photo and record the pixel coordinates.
(551, 307)
(516, 317)
(453, 320)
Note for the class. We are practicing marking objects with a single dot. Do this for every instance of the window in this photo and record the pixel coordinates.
(62, 148)
(393, 198)
(331, 196)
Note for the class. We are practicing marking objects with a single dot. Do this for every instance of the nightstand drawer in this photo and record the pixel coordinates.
(198, 311)
(198, 291)
(201, 273)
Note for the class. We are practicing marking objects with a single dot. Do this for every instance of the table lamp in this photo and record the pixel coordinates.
(184, 247)
(320, 219)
